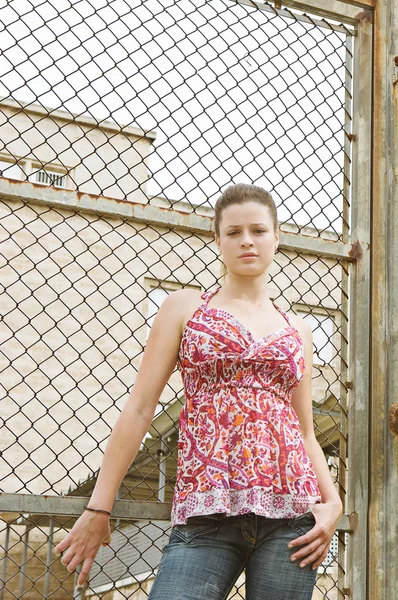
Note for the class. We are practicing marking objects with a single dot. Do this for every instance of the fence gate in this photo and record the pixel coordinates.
(120, 123)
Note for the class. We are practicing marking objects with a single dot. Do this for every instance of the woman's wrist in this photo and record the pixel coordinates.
(101, 501)
(98, 510)
(335, 502)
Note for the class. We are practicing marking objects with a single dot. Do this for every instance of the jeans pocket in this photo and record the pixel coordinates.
(197, 526)
(303, 523)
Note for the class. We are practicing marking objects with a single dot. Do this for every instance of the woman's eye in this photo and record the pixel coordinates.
(232, 232)
(260, 231)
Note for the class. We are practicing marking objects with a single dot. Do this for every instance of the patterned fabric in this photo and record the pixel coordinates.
(240, 446)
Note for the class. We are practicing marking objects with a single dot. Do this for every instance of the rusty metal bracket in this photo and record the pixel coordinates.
(393, 419)
(356, 251)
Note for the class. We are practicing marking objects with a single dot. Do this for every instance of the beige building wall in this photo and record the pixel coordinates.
(97, 158)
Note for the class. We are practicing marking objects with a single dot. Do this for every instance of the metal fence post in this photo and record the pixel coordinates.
(383, 517)
(358, 376)
(5, 559)
(23, 563)
(162, 468)
(49, 560)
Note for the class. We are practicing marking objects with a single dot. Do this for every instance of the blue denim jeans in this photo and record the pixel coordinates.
(205, 557)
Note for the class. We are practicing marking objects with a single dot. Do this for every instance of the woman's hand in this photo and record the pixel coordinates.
(315, 544)
(82, 543)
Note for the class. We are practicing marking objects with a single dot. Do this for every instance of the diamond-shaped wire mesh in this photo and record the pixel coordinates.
(150, 104)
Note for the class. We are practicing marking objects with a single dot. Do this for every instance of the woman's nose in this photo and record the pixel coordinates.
(246, 240)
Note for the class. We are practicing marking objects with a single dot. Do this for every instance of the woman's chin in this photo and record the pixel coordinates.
(248, 270)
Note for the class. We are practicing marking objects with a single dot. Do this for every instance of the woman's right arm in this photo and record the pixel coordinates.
(160, 357)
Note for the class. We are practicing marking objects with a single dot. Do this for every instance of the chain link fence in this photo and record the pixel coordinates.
(120, 123)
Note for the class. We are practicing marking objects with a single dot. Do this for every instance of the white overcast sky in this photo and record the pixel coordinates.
(235, 94)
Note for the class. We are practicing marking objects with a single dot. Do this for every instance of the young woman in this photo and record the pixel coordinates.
(253, 488)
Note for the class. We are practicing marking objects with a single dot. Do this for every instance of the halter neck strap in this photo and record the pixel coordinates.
(207, 296)
(284, 315)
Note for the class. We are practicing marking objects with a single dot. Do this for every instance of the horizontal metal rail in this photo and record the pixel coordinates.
(127, 510)
(164, 217)
(331, 10)
(73, 506)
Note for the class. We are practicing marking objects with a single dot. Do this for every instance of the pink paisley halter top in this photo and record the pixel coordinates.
(240, 445)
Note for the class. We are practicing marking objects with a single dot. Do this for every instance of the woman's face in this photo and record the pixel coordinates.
(247, 238)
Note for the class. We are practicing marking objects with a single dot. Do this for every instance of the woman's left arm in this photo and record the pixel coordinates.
(315, 544)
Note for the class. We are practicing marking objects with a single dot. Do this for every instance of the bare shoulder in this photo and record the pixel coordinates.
(302, 326)
(181, 305)
(187, 296)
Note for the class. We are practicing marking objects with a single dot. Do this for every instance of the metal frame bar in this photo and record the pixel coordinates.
(49, 558)
(383, 456)
(127, 510)
(325, 10)
(359, 361)
(345, 301)
(162, 468)
(163, 217)
(73, 506)
(22, 572)
(5, 560)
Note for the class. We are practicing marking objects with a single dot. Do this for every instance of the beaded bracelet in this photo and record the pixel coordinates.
(99, 510)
